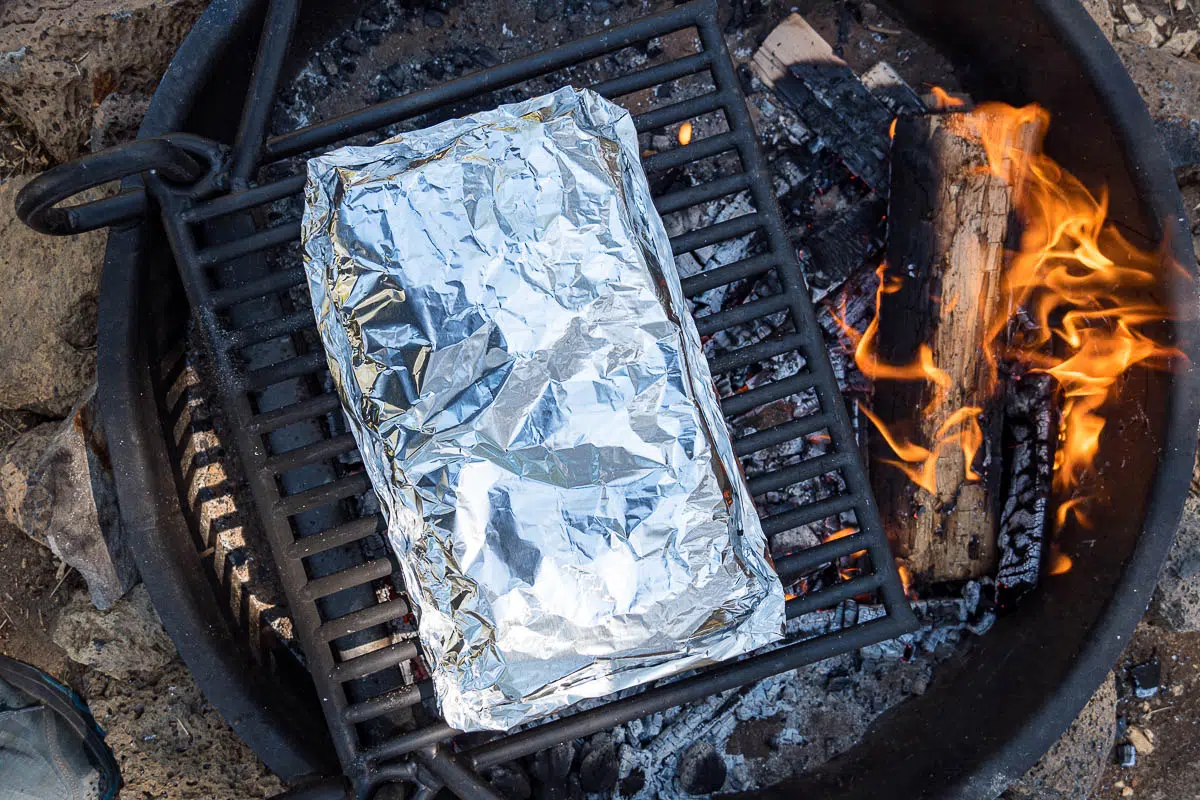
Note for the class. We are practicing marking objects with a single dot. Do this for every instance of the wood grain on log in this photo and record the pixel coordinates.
(947, 230)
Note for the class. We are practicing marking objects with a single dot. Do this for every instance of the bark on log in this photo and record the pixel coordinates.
(948, 225)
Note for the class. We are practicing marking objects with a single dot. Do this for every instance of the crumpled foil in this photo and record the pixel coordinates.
(505, 325)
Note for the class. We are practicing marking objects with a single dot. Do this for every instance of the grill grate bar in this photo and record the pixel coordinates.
(790, 476)
(334, 537)
(409, 742)
(678, 112)
(701, 193)
(794, 564)
(652, 76)
(309, 454)
(251, 290)
(229, 203)
(307, 523)
(368, 617)
(698, 150)
(289, 415)
(721, 232)
(374, 661)
(828, 598)
(348, 578)
(777, 390)
(747, 312)
(760, 351)
(280, 326)
(305, 364)
(263, 240)
(351, 485)
(779, 434)
(805, 515)
(395, 700)
(720, 276)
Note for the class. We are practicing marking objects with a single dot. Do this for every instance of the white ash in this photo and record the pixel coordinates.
(791, 723)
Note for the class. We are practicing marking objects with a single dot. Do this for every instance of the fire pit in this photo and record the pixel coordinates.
(988, 716)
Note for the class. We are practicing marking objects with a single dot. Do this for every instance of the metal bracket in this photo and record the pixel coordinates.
(196, 164)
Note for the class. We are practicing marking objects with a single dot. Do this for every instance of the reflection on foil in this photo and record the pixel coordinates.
(505, 325)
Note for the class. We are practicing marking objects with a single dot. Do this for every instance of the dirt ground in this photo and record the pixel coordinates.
(169, 741)
(1172, 770)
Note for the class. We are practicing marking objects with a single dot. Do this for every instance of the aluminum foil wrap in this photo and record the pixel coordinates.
(504, 321)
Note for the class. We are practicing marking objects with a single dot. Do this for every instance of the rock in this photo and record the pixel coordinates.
(1142, 740)
(701, 769)
(117, 119)
(1133, 14)
(1181, 43)
(58, 488)
(59, 60)
(1169, 86)
(47, 312)
(1176, 602)
(1102, 14)
(546, 10)
(1072, 767)
(124, 641)
(1146, 677)
(1147, 33)
(434, 19)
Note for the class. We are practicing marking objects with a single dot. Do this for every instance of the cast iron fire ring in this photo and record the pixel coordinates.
(981, 768)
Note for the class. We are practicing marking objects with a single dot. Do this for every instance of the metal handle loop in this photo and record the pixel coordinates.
(174, 157)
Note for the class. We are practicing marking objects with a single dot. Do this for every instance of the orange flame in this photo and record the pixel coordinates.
(906, 580)
(841, 534)
(1059, 563)
(1083, 285)
(1074, 299)
(943, 99)
(685, 134)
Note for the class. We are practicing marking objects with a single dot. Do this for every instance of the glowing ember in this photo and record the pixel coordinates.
(685, 133)
(1074, 298)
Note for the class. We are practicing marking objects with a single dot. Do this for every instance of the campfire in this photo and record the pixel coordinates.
(922, 330)
(1029, 306)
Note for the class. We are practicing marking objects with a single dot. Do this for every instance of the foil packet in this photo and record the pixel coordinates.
(504, 322)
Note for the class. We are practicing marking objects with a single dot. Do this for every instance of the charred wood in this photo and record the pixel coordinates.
(1030, 433)
(948, 224)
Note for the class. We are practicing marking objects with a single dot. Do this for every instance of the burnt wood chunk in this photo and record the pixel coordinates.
(948, 223)
(831, 99)
(1031, 430)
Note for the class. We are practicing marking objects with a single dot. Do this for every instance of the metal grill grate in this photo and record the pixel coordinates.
(300, 464)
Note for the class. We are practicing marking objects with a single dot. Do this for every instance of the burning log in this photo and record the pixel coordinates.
(1031, 428)
(948, 225)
